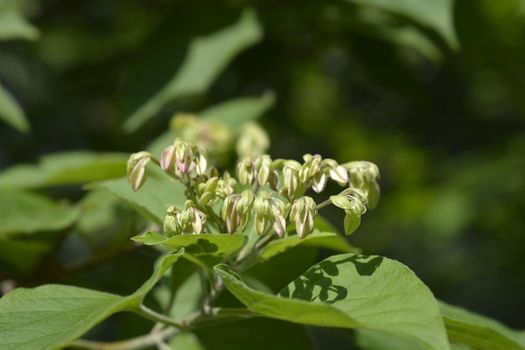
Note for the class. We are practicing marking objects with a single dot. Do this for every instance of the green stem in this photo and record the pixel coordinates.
(157, 317)
(324, 204)
(144, 341)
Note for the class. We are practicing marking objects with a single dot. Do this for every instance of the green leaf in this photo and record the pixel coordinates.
(352, 291)
(26, 212)
(206, 58)
(233, 113)
(434, 14)
(51, 316)
(371, 340)
(154, 197)
(203, 246)
(478, 331)
(10, 110)
(328, 240)
(236, 112)
(14, 26)
(68, 168)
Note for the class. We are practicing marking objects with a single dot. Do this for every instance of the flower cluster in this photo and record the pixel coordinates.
(267, 194)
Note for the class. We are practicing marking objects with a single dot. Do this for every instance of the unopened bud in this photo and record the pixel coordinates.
(302, 214)
(364, 175)
(225, 185)
(136, 169)
(253, 140)
(291, 182)
(336, 172)
(263, 213)
(311, 166)
(262, 166)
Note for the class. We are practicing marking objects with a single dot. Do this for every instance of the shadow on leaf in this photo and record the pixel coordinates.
(317, 284)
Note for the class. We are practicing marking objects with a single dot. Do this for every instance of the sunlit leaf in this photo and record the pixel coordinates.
(158, 193)
(328, 240)
(51, 316)
(352, 291)
(203, 246)
(206, 58)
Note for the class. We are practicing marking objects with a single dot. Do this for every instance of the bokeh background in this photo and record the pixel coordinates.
(434, 95)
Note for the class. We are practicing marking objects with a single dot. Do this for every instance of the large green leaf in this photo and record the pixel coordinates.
(236, 112)
(14, 26)
(210, 247)
(26, 212)
(66, 169)
(158, 193)
(435, 14)
(10, 110)
(352, 291)
(327, 240)
(478, 331)
(232, 113)
(51, 316)
(206, 58)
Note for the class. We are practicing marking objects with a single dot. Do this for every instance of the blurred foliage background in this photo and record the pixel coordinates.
(431, 91)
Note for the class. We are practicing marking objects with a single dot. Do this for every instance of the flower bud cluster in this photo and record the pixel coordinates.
(183, 222)
(183, 159)
(268, 194)
(257, 170)
(364, 175)
(270, 212)
(353, 201)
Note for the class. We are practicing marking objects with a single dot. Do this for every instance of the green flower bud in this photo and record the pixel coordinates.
(302, 214)
(280, 212)
(263, 213)
(225, 185)
(171, 225)
(252, 141)
(291, 181)
(337, 172)
(236, 211)
(362, 172)
(245, 171)
(136, 169)
(245, 202)
(208, 191)
(254, 169)
(319, 182)
(188, 221)
(262, 166)
(364, 175)
(311, 166)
